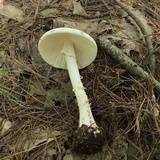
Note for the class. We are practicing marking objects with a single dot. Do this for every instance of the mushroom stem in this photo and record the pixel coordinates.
(85, 113)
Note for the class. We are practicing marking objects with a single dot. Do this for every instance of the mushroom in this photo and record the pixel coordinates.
(73, 49)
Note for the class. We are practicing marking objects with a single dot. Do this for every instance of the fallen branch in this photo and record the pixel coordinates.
(126, 62)
(146, 33)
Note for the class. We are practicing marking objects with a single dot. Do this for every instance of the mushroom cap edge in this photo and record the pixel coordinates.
(52, 42)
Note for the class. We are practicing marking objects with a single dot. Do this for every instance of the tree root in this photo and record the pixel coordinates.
(126, 62)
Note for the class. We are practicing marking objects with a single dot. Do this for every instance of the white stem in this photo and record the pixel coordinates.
(85, 113)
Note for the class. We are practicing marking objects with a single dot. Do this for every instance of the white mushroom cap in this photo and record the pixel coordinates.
(52, 42)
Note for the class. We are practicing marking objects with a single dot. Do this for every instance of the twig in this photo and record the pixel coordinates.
(105, 4)
(144, 29)
(126, 62)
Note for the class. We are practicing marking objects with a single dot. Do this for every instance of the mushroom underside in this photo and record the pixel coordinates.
(88, 140)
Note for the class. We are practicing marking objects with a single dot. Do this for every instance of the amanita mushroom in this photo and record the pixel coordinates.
(73, 49)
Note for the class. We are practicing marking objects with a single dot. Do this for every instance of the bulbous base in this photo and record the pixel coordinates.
(88, 140)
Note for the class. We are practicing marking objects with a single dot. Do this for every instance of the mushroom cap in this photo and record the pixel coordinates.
(52, 42)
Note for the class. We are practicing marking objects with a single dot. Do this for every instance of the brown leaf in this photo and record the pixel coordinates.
(12, 12)
(78, 9)
(1, 4)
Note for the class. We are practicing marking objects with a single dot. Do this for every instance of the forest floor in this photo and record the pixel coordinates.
(38, 111)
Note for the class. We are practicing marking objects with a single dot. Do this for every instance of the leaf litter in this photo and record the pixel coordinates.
(39, 114)
(11, 12)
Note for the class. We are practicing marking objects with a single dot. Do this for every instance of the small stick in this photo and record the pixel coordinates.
(126, 62)
(146, 33)
(105, 4)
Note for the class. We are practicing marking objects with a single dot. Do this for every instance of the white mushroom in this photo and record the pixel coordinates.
(73, 49)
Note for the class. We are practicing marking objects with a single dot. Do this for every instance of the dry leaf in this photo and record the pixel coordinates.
(12, 12)
(48, 12)
(78, 9)
(119, 145)
(6, 124)
(1, 4)
(156, 112)
(39, 136)
(88, 26)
